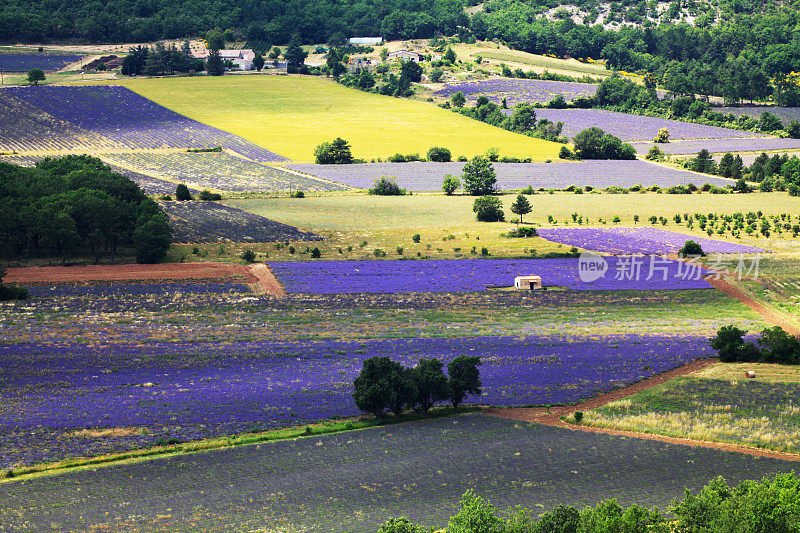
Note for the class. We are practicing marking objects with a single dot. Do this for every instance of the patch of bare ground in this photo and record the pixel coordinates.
(266, 282)
(166, 271)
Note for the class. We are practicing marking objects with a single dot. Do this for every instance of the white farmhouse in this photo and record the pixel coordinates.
(405, 55)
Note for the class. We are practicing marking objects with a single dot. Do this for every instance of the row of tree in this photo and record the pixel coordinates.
(774, 345)
(77, 205)
(769, 505)
(386, 385)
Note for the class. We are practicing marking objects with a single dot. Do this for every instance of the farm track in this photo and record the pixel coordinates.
(767, 312)
(173, 271)
(552, 416)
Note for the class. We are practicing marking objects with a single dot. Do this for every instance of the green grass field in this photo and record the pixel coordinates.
(390, 221)
(717, 404)
(291, 115)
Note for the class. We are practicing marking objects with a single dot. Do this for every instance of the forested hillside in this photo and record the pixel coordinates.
(733, 47)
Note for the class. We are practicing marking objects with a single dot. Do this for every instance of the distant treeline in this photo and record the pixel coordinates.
(754, 43)
(77, 205)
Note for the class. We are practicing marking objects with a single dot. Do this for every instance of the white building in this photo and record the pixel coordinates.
(366, 41)
(242, 59)
(405, 55)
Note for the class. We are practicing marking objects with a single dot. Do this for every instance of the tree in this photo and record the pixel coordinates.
(523, 119)
(382, 384)
(35, 75)
(488, 209)
(464, 378)
(151, 240)
(336, 152)
(594, 143)
(439, 154)
(215, 39)
(436, 75)
(476, 515)
(690, 249)
(258, 62)
(386, 186)
(703, 162)
(214, 63)
(521, 206)
(450, 184)
(295, 56)
(182, 193)
(401, 525)
(662, 136)
(411, 71)
(731, 346)
(769, 122)
(778, 346)
(430, 383)
(478, 177)
(449, 55)
(458, 100)
(334, 62)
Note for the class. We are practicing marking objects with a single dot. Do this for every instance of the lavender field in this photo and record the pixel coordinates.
(104, 117)
(356, 481)
(52, 393)
(420, 176)
(634, 127)
(784, 113)
(218, 171)
(203, 222)
(639, 241)
(721, 145)
(472, 275)
(518, 90)
(46, 62)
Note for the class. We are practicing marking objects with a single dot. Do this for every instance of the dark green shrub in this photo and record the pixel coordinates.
(249, 256)
(416, 237)
(691, 248)
(208, 196)
(439, 154)
(488, 209)
(316, 253)
(385, 186)
(182, 193)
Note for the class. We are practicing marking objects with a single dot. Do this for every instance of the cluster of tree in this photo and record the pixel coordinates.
(76, 204)
(268, 21)
(11, 292)
(385, 385)
(386, 83)
(594, 143)
(521, 120)
(774, 345)
(769, 505)
(160, 60)
(778, 172)
(336, 152)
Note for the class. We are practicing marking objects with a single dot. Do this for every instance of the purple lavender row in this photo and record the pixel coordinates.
(644, 240)
(599, 174)
(519, 90)
(134, 289)
(634, 127)
(26, 62)
(129, 120)
(195, 390)
(692, 146)
(473, 275)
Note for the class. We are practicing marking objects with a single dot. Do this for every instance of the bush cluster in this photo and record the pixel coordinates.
(385, 385)
(773, 346)
(769, 505)
(386, 186)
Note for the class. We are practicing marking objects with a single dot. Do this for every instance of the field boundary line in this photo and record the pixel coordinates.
(767, 312)
(266, 282)
(552, 416)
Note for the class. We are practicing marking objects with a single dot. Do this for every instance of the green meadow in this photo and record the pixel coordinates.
(291, 115)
